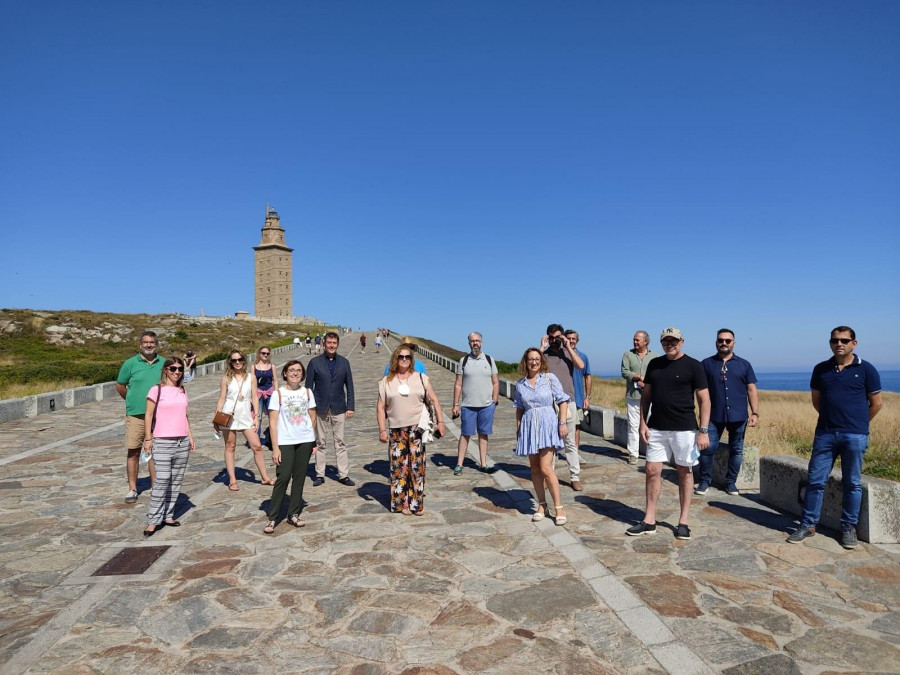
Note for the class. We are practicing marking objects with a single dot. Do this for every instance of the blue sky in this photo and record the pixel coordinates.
(443, 167)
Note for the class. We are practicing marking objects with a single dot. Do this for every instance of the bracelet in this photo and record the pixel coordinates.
(753, 413)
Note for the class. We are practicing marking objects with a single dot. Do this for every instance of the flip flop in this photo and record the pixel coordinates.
(267, 482)
(233, 487)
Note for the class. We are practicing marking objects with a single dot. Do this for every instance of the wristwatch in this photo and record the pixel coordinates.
(704, 430)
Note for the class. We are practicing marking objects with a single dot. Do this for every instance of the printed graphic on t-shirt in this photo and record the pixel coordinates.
(295, 412)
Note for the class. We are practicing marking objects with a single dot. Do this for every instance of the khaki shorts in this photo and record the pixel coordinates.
(134, 431)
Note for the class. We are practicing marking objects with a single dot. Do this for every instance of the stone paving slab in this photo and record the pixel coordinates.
(471, 586)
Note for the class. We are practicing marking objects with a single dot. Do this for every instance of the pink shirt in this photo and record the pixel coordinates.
(171, 412)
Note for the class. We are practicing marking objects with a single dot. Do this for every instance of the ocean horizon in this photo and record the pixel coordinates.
(799, 381)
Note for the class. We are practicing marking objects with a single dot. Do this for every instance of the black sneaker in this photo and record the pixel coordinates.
(318, 480)
(848, 537)
(641, 528)
(732, 490)
(682, 531)
(801, 533)
(701, 489)
(346, 480)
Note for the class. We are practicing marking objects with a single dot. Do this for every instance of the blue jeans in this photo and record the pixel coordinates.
(827, 446)
(735, 455)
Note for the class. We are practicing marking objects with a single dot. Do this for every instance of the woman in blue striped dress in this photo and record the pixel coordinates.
(540, 427)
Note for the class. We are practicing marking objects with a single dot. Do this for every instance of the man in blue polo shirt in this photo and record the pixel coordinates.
(846, 392)
(732, 386)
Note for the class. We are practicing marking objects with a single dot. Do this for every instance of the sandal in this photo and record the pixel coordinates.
(539, 514)
(420, 512)
(560, 518)
(233, 487)
(268, 481)
(269, 528)
(148, 532)
(295, 521)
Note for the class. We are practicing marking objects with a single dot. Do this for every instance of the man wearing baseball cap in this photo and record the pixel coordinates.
(669, 426)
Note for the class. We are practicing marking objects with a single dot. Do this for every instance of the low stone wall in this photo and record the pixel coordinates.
(783, 485)
(29, 406)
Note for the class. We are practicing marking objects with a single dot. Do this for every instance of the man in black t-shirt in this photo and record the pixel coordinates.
(669, 426)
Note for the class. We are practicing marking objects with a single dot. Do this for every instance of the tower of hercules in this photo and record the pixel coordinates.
(272, 274)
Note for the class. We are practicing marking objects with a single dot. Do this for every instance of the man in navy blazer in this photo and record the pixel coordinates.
(329, 377)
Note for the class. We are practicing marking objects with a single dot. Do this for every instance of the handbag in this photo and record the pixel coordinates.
(427, 426)
(224, 419)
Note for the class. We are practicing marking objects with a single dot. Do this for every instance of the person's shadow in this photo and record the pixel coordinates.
(612, 509)
(240, 475)
(377, 491)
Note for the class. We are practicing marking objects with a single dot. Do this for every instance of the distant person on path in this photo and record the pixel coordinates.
(362, 343)
(475, 395)
(418, 366)
(318, 341)
(378, 342)
(238, 396)
(732, 389)
(846, 392)
(541, 428)
(293, 442)
(190, 365)
(135, 378)
(581, 378)
(669, 426)
(308, 344)
(401, 397)
(634, 369)
(562, 360)
(168, 438)
(266, 383)
(297, 341)
(331, 381)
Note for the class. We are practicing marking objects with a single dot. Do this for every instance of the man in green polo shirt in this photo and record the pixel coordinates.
(136, 376)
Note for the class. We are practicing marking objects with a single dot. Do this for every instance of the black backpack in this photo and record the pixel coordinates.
(466, 360)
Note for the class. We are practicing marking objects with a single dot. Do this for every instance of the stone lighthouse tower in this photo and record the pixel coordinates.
(273, 279)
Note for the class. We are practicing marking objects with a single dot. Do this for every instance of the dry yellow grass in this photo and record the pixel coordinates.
(30, 389)
(788, 422)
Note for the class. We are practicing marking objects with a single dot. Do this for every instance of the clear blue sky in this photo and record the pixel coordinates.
(447, 166)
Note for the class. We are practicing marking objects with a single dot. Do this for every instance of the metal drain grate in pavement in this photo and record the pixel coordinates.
(134, 560)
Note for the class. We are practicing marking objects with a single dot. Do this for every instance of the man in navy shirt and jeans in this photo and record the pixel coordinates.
(732, 385)
(846, 392)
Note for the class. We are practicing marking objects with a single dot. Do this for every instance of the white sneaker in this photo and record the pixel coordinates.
(131, 497)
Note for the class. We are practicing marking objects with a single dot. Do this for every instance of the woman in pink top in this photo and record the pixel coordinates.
(169, 441)
(401, 396)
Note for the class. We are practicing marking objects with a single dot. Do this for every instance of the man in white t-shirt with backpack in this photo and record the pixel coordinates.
(475, 396)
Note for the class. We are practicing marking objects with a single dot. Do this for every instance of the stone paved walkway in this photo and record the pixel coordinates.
(472, 586)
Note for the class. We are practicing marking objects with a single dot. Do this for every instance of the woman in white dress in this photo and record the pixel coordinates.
(238, 397)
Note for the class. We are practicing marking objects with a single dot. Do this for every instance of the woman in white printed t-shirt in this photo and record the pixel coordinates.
(292, 425)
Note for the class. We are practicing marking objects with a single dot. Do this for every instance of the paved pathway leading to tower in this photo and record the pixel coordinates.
(471, 586)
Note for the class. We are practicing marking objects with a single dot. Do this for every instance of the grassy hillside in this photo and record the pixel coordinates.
(50, 350)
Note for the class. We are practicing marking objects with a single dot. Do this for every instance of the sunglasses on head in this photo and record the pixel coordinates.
(175, 369)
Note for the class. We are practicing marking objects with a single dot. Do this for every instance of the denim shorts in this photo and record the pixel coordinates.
(480, 420)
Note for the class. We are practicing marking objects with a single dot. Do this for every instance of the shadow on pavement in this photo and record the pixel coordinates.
(512, 500)
(772, 520)
(612, 509)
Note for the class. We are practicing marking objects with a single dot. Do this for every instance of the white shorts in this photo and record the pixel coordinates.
(668, 445)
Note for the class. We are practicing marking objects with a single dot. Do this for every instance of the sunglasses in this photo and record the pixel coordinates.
(237, 360)
(724, 341)
(404, 357)
(175, 369)
(264, 353)
(843, 341)
(670, 341)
